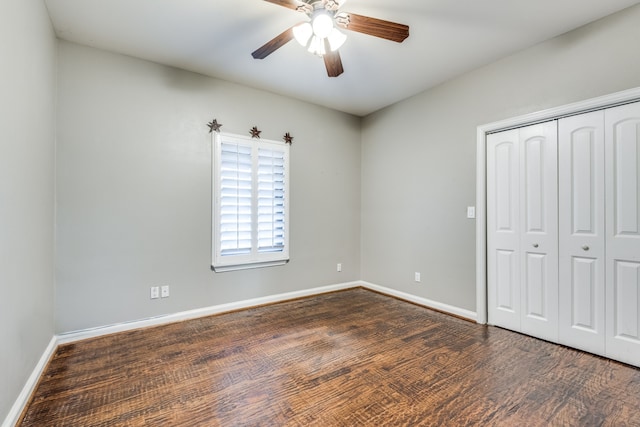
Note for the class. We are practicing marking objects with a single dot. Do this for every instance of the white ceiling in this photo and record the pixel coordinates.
(216, 38)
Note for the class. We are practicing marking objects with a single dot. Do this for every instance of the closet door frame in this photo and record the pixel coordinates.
(482, 131)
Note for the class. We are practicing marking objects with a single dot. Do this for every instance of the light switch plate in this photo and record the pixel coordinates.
(471, 211)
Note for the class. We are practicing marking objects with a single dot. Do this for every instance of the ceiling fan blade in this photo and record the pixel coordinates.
(333, 63)
(274, 44)
(374, 27)
(290, 4)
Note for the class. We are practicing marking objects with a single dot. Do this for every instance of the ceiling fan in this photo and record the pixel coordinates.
(320, 35)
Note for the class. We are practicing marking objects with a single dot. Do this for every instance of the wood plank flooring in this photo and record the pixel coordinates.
(351, 358)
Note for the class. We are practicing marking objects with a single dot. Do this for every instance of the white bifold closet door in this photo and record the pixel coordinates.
(582, 231)
(522, 230)
(622, 153)
(503, 229)
(563, 231)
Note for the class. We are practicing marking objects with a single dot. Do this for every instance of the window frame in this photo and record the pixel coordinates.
(254, 259)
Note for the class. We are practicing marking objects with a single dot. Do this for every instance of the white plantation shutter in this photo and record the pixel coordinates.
(250, 203)
(271, 216)
(235, 199)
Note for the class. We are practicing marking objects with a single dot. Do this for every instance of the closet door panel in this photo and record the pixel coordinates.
(506, 266)
(536, 286)
(503, 232)
(625, 291)
(581, 232)
(622, 127)
(584, 308)
(538, 216)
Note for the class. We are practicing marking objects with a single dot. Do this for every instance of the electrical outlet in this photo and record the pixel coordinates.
(164, 291)
(417, 276)
(155, 292)
(339, 268)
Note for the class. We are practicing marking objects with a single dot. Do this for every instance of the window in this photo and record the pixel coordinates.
(250, 203)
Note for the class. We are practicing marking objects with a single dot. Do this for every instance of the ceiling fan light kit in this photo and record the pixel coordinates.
(313, 35)
(320, 34)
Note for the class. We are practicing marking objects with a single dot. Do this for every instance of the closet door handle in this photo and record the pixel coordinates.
(535, 245)
(585, 248)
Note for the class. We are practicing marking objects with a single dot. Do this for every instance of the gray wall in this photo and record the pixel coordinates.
(134, 171)
(418, 156)
(27, 101)
(134, 191)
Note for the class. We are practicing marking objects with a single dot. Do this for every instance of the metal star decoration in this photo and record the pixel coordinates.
(214, 126)
(288, 139)
(255, 133)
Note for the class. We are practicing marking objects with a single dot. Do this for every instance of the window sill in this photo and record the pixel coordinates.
(224, 268)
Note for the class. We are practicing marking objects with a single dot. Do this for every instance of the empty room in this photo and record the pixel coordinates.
(328, 213)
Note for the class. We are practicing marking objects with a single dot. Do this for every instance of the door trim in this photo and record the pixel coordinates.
(599, 103)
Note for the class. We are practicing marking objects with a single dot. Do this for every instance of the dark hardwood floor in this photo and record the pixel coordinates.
(349, 358)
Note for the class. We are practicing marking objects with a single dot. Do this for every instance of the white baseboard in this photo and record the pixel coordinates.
(69, 337)
(425, 302)
(30, 385)
(74, 336)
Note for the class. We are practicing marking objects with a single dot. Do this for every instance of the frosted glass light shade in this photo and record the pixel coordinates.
(322, 25)
(336, 39)
(303, 33)
(317, 46)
